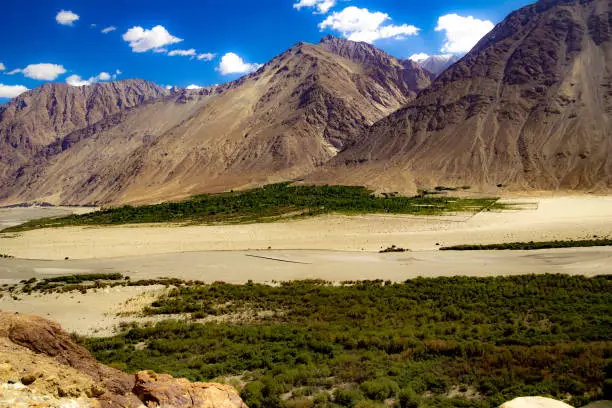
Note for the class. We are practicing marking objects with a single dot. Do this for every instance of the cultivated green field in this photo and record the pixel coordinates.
(445, 342)
(271, 203)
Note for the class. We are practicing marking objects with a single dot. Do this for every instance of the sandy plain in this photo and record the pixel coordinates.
(332, 247)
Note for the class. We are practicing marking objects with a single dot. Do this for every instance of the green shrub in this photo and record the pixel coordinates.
(407, 398)
(379, 390)
(346, 398)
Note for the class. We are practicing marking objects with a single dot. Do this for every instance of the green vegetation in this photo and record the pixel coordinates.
(523, 246)
(85, 282)
(270, 203)
(392, 248)
(444, 342)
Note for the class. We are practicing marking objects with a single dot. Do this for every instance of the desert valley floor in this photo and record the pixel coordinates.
(332, 247)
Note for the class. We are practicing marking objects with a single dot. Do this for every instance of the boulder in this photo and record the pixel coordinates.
(46, 363)
(162, 390)
(535, 402)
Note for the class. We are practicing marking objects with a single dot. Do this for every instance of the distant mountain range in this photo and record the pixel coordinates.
(436, 64)
(131, 141)
(528, 108)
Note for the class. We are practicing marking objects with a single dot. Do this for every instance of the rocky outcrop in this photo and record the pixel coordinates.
(40, 362)
(165, 391)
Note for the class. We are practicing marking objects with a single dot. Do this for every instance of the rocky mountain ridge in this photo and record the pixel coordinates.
(528, 108)
(279, 123)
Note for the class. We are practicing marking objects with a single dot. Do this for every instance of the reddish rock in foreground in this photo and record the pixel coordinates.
(39, 354)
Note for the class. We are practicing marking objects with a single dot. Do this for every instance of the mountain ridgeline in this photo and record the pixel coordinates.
(279, 123)
(528, 108)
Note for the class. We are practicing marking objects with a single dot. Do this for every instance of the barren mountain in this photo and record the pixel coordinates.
(436, 64)
(41, 116)
(529, 107)
(279, 123)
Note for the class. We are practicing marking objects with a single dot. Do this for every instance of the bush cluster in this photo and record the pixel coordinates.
(362, 343)
(270, 203)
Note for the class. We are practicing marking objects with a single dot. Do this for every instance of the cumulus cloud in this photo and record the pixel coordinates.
(11, 91)
(143, 40)
(462, 33)
(364, 25)
(233, 64)
(418, 57)
(66, 17)
(183, 53)
(321, 6)
(76, 80)
(108, 29)
(2, 67)
(41, 72)
(192, 86)
(209, 56)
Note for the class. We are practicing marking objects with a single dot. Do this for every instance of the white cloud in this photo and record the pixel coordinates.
(108, 29)
(11, 91)
(321, 6)
(143, 40)
(358, 24)
(118, 72)
(418, 57)
(168, 87)
(66, 17)
(2, 67)
(233, 64)
(93, 25)
(183, 53)
(76, 80)
(192, 86)
(41, 72)
(209, 56)
(462, 33)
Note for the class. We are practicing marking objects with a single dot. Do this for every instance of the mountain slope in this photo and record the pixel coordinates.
(279, 123)
(529, 107)
(38, 117)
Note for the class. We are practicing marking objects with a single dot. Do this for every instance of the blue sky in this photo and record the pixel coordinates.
(173, 42)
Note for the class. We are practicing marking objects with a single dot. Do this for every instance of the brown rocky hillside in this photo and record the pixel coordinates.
(530, 107)
(42, 367)
(41, 116)
(279, 123)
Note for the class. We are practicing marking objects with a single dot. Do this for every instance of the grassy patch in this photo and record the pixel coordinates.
(444, 342)
(525, 246)
(270, 203)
